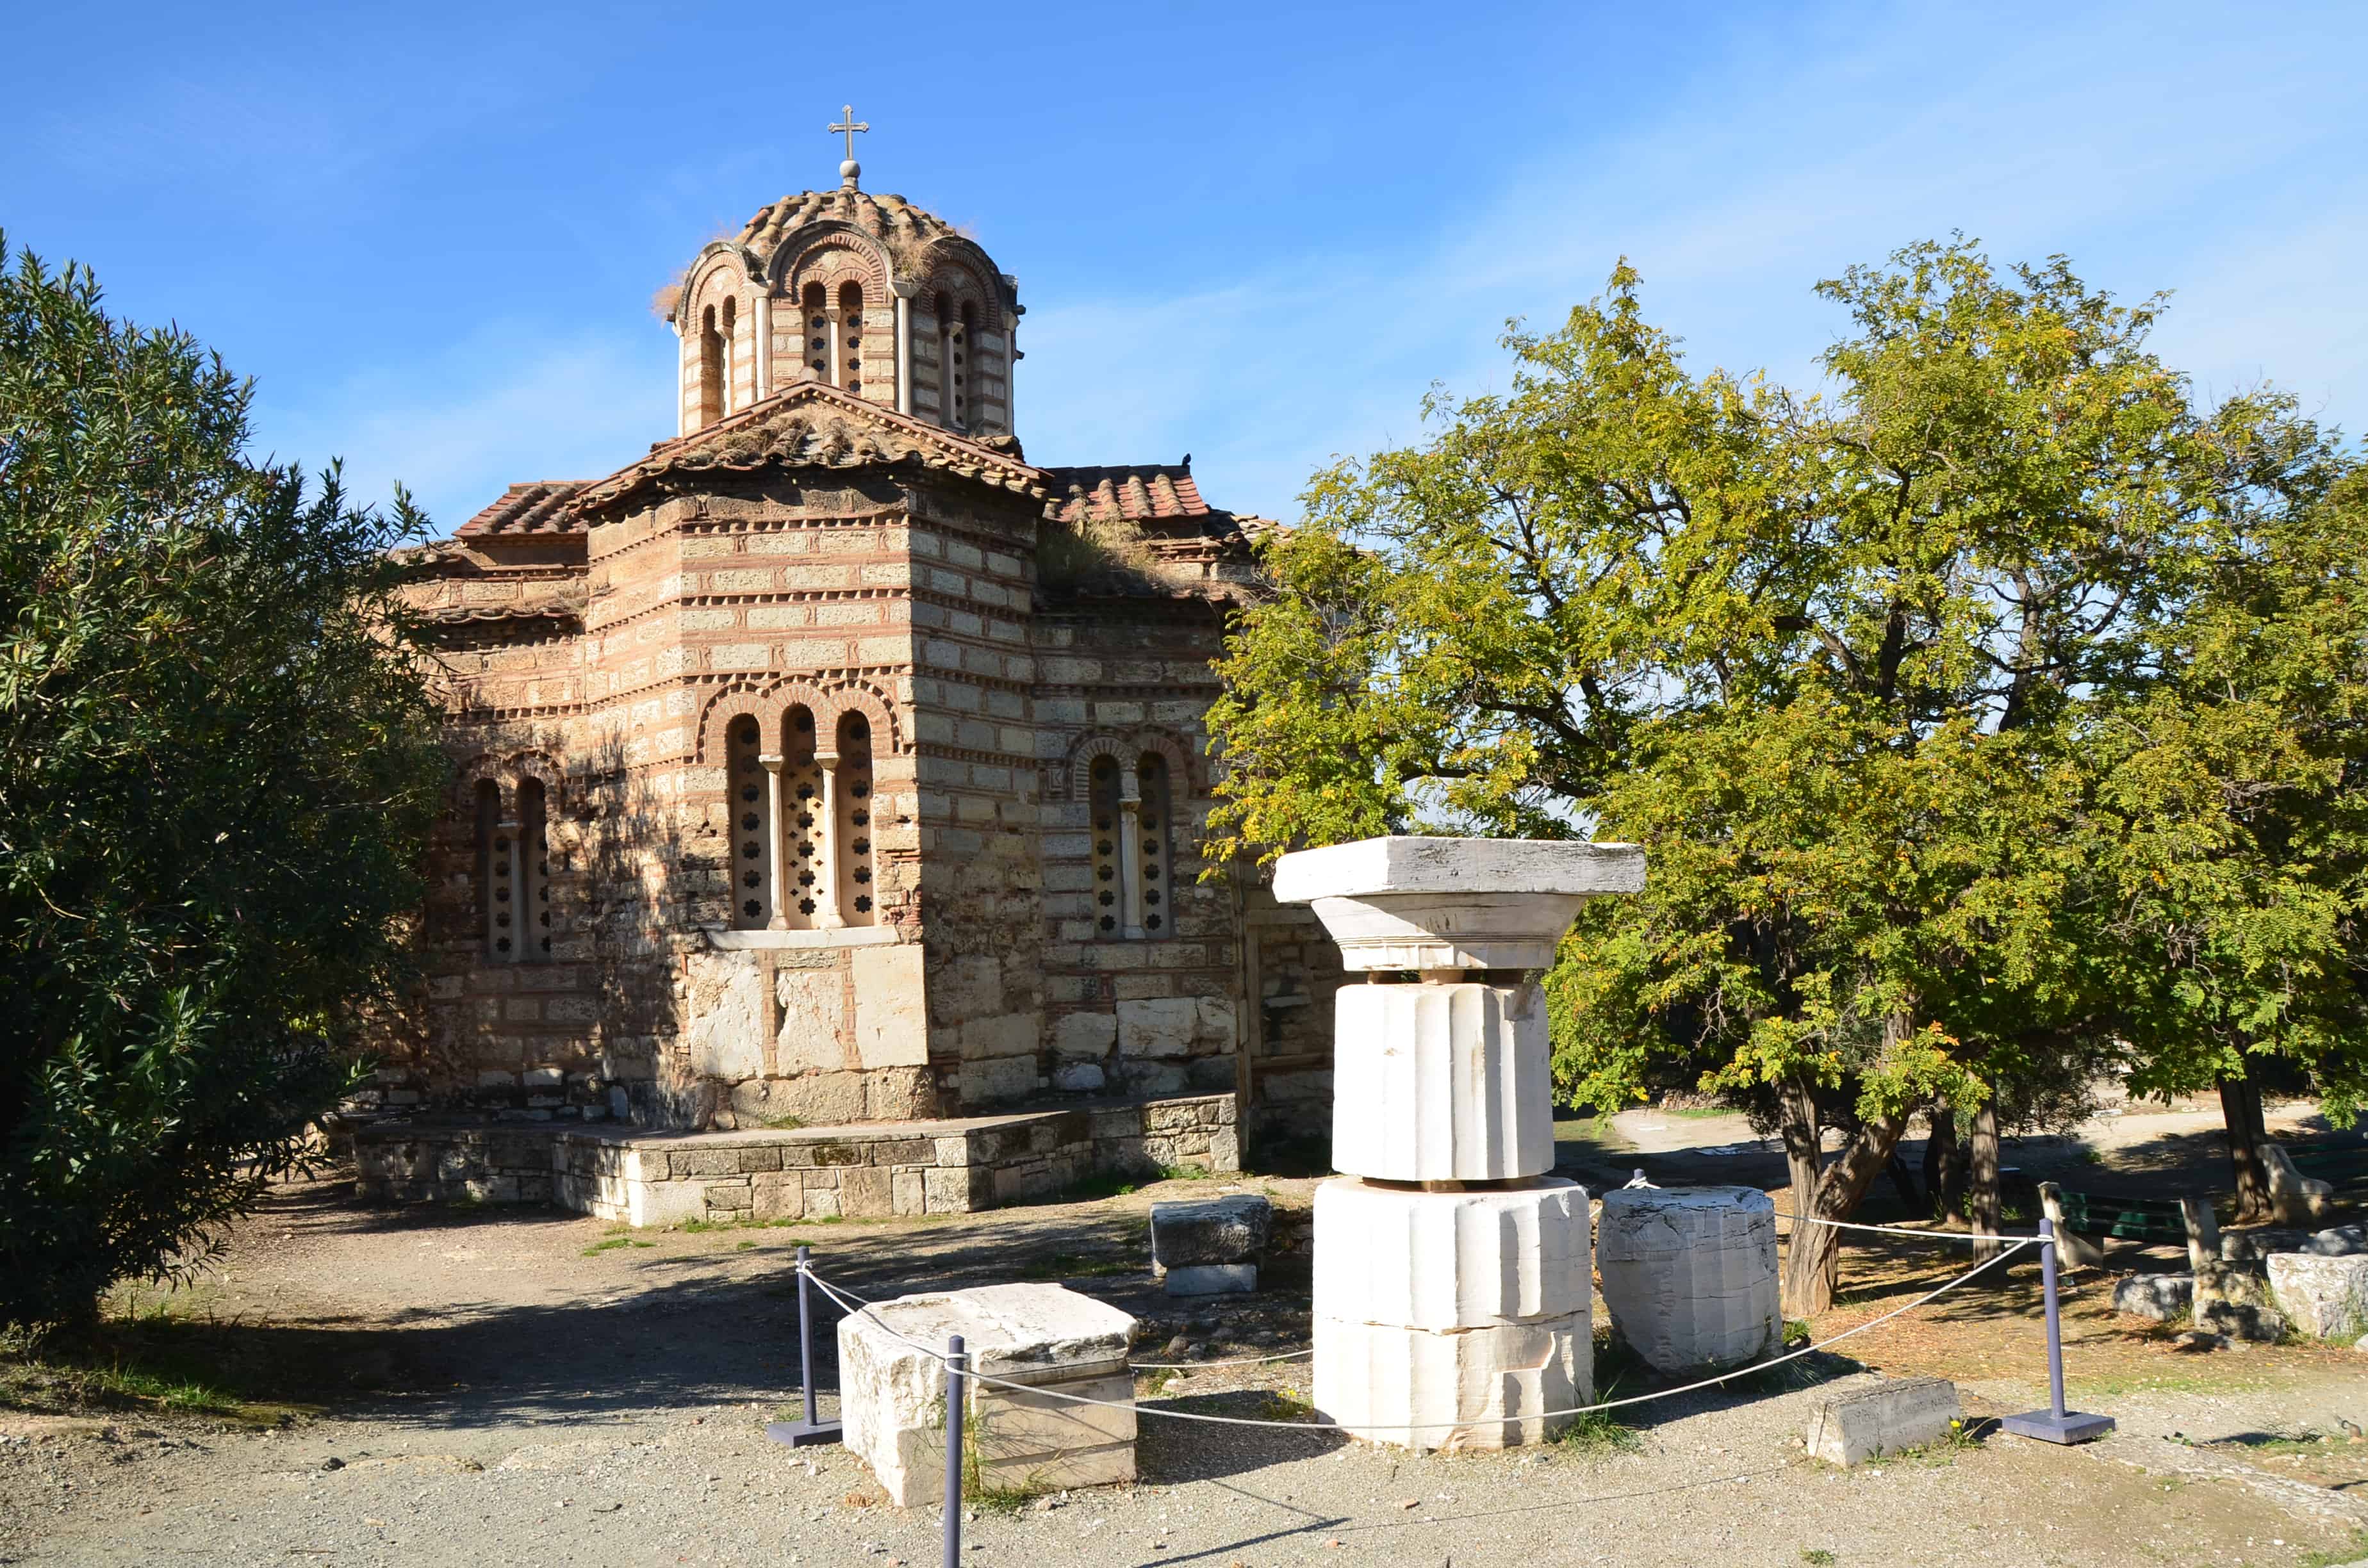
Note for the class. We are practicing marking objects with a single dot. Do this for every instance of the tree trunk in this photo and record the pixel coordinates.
(1810, 1250)
(1812, 1260)
(1982, 1207)
(1902, 1182)
(2240, 1110)
(1944, 1167)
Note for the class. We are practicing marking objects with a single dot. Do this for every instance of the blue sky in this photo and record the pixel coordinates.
(1256, 234)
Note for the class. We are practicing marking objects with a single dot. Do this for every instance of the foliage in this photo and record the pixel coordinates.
(217, 765)
(1903, 688)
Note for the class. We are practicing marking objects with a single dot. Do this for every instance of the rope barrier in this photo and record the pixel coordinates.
(1909, 1231)
(1196, 1365)
(855, 1304)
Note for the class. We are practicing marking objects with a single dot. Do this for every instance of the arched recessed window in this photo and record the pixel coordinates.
(727, 327)
(1109, 885)
(806, 860)
(496, 881)
(533, 873)
(850, 327)
(852, 857)
(817, 330)
(710, 369)
(944, 315)
(1155, 846)
(965, 338)
(751, 873)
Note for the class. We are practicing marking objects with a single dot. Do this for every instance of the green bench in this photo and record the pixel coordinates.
(2157, 1222)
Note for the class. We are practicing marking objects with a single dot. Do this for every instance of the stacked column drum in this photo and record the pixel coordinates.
(1453, 1271)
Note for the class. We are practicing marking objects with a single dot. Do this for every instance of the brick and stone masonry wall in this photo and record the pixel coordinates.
(934, 1167)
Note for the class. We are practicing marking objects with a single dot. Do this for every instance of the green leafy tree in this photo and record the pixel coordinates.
(217, 768)
(2231, 834)
(1827, 658)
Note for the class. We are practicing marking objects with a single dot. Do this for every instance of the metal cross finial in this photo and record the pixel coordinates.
(849, 126)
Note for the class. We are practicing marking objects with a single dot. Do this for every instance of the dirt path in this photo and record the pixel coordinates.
(515, 1386)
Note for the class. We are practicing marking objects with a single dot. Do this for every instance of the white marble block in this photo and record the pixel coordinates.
(1442, 1082)
(1889, 1416)
(1447, 1261)
(1454, 1320)
(2325, 1298)
(1689, 1274)
(1416, 904)
(1481, 1388)
(892, 1399)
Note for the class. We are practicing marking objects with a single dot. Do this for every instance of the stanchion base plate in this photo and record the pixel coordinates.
(2049, 1427)
(801, 1434)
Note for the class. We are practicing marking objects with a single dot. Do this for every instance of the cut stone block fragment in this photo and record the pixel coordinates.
(1888, 1417)
(1232, 1229)
(1212, 1279)
(1481, 1388)
(2342, 1241)
(1450, 1261)
(2325, 1298)
(1442, 1083)
(891, 1400)
(2256, 1246)
(2166, 1298)
(1415, 903)
(1689, 1274)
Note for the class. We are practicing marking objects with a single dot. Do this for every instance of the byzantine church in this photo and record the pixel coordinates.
(835, 777)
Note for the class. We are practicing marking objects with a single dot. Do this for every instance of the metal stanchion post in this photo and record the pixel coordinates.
(809, 1430)
(955, 1364)
(2055, 1424)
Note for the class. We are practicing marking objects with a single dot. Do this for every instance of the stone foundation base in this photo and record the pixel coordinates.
(874, 1170)
(1396, 1385)
(1453, 1320)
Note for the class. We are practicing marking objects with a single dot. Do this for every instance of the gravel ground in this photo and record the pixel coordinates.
(485, 1390)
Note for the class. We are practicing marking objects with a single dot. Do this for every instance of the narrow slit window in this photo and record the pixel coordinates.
(534, 873)
(858, 893)
(817, 328)
(804, 861)
(752, 828)
(494, 893)
(850, 327)
(1156, 847)
(710, 369)
(1109, 889)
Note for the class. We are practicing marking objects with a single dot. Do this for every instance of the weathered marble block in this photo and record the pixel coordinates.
(1212, 1246)
(1479, 1388)
(1689, 1274)
(892, 1399)
(1442, 1082)
(1447, 1261)
(2325, 1298)
(1887, 1416)
(2162, 1297)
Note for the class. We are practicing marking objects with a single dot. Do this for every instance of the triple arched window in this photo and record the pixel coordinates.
(1130, 812)
(800, 803)
(514, 872)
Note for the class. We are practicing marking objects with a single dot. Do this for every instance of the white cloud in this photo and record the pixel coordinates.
(518, 409)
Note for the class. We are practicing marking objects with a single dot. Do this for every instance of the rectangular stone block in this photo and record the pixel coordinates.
(2325, 1298)
(1887, 1416)
(1211, 1280)
(1050, 1339)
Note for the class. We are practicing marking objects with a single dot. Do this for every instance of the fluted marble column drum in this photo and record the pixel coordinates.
(1452, 1273)
(1442, 1083)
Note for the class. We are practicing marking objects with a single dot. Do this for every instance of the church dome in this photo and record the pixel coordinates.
(893, 220)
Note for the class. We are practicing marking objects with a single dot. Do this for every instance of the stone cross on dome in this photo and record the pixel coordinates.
(849, 171)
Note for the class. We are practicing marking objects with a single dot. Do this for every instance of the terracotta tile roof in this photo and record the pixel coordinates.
(544, 506)
(814, 425)
(890, 218)
(1137, 491)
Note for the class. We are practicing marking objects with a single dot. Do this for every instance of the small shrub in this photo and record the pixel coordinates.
(1816, 1557)
(613, 1243)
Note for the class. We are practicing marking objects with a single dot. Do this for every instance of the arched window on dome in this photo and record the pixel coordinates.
(818, 356)
(710, 369)
(965, 335)
(727, 326)
(851, 331)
